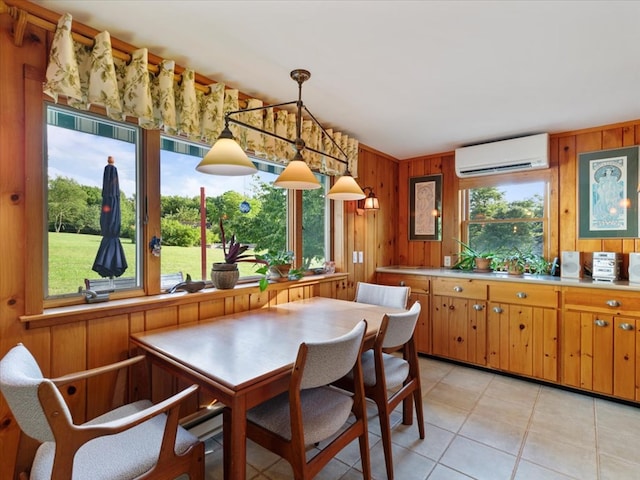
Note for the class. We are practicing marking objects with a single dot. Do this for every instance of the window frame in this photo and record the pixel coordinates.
(549, 214)
(149, 190)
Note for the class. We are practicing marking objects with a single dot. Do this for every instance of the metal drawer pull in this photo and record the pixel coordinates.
(521, 295)
(478, 307)
(601, 323)
(626, 326)
(497, 309)
(613, 303)
(457, 289)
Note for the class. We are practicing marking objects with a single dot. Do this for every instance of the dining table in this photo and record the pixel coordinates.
(246, 358)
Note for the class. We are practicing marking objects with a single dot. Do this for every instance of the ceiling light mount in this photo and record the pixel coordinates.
(297, 175)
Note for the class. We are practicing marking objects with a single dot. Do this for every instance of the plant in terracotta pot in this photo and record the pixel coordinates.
(470, 259)
(277, 266)
(224, 275)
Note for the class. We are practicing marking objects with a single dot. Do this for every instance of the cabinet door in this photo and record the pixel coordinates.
(423, 336)
(477, 332)
(523, 340)
(624, 358)
(601, 329)
(440, 326)
(458, 319)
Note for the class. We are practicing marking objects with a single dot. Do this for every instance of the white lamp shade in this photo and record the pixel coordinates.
(346, 188)
(226, 158)
(371, 203)
(297, 176)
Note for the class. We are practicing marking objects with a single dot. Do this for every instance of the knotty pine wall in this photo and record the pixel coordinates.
(564, 150)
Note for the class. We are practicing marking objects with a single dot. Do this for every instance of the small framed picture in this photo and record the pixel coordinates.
(425, 207)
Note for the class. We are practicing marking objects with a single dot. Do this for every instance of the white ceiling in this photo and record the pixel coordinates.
(407, 78)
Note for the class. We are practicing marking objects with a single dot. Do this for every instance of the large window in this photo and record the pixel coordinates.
(252, 209)
(78, 146)
(503, 216)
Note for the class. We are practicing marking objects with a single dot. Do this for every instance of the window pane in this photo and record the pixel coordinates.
(507, 216)
(78, 146)
(315, 225)
(252, 209)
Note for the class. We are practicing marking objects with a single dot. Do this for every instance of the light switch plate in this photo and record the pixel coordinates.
(355, 257)
(360, 257)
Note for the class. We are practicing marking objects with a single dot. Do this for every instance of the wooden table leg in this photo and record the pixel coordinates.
(234, 441)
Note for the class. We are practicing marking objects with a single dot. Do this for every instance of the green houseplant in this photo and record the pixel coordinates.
(276, 267)
(470, 259)
(224, 275)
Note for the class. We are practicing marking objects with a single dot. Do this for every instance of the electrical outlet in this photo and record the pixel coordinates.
(447, 261)
(355, 257)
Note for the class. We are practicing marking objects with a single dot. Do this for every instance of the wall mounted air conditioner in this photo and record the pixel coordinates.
(513, 155)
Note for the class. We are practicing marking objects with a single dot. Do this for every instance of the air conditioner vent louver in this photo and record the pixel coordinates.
(516, 154)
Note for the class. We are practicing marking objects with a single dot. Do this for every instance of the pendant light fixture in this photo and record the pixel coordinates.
(226, 157)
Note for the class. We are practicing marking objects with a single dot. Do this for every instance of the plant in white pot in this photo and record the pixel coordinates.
(224, 275)
(277, 266)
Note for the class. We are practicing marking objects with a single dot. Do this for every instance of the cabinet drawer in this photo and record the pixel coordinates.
(524, 294)
(418, 283)
(460, 287)
(601, 301)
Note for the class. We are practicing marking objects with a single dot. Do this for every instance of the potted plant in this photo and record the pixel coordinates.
(224, 275)
(517, 262)
(470, 259)
(277, 266)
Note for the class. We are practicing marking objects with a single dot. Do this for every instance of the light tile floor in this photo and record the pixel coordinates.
(484, 426)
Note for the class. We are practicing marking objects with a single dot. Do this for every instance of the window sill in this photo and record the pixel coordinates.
(91, 311)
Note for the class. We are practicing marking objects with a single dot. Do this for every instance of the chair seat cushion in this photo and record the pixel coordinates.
(396, 369)
(124, 455)
(324, 411)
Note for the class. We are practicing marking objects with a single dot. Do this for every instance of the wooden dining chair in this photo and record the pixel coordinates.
(384, 295)
(137, 440)
(313, 411)
(385, 371)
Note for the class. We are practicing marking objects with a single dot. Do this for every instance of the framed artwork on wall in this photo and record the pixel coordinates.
(608, 193)
(425, 208)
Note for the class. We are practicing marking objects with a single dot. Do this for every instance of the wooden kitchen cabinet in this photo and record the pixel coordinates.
(459, 320)
(523, 329)
(419, 291)
(600, 342)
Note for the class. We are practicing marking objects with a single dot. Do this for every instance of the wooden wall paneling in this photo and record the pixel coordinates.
(161, 317)
(568, 201)
(450, 211)
(107, 342)
(258, 300)
(240, 303)
(402, 236)
(69, 355)
(188, 313)
(416, 248)
(612, 138)
(588, 142)
(434, 249)
(212, 308)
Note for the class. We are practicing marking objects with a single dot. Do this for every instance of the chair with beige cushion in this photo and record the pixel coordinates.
(384, 295)
(136, 440)
(312, 411)
(385, 371)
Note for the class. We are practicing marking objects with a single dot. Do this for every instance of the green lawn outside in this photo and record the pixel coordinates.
(71, 256)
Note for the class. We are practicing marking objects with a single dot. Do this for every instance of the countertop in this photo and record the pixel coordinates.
(586, 282)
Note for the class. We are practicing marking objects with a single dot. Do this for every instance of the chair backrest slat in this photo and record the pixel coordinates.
(329, 361)
(384, 295)
(20, 379)
(401, 326)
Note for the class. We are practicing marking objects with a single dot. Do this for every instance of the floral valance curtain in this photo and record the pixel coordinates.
(92, 76)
